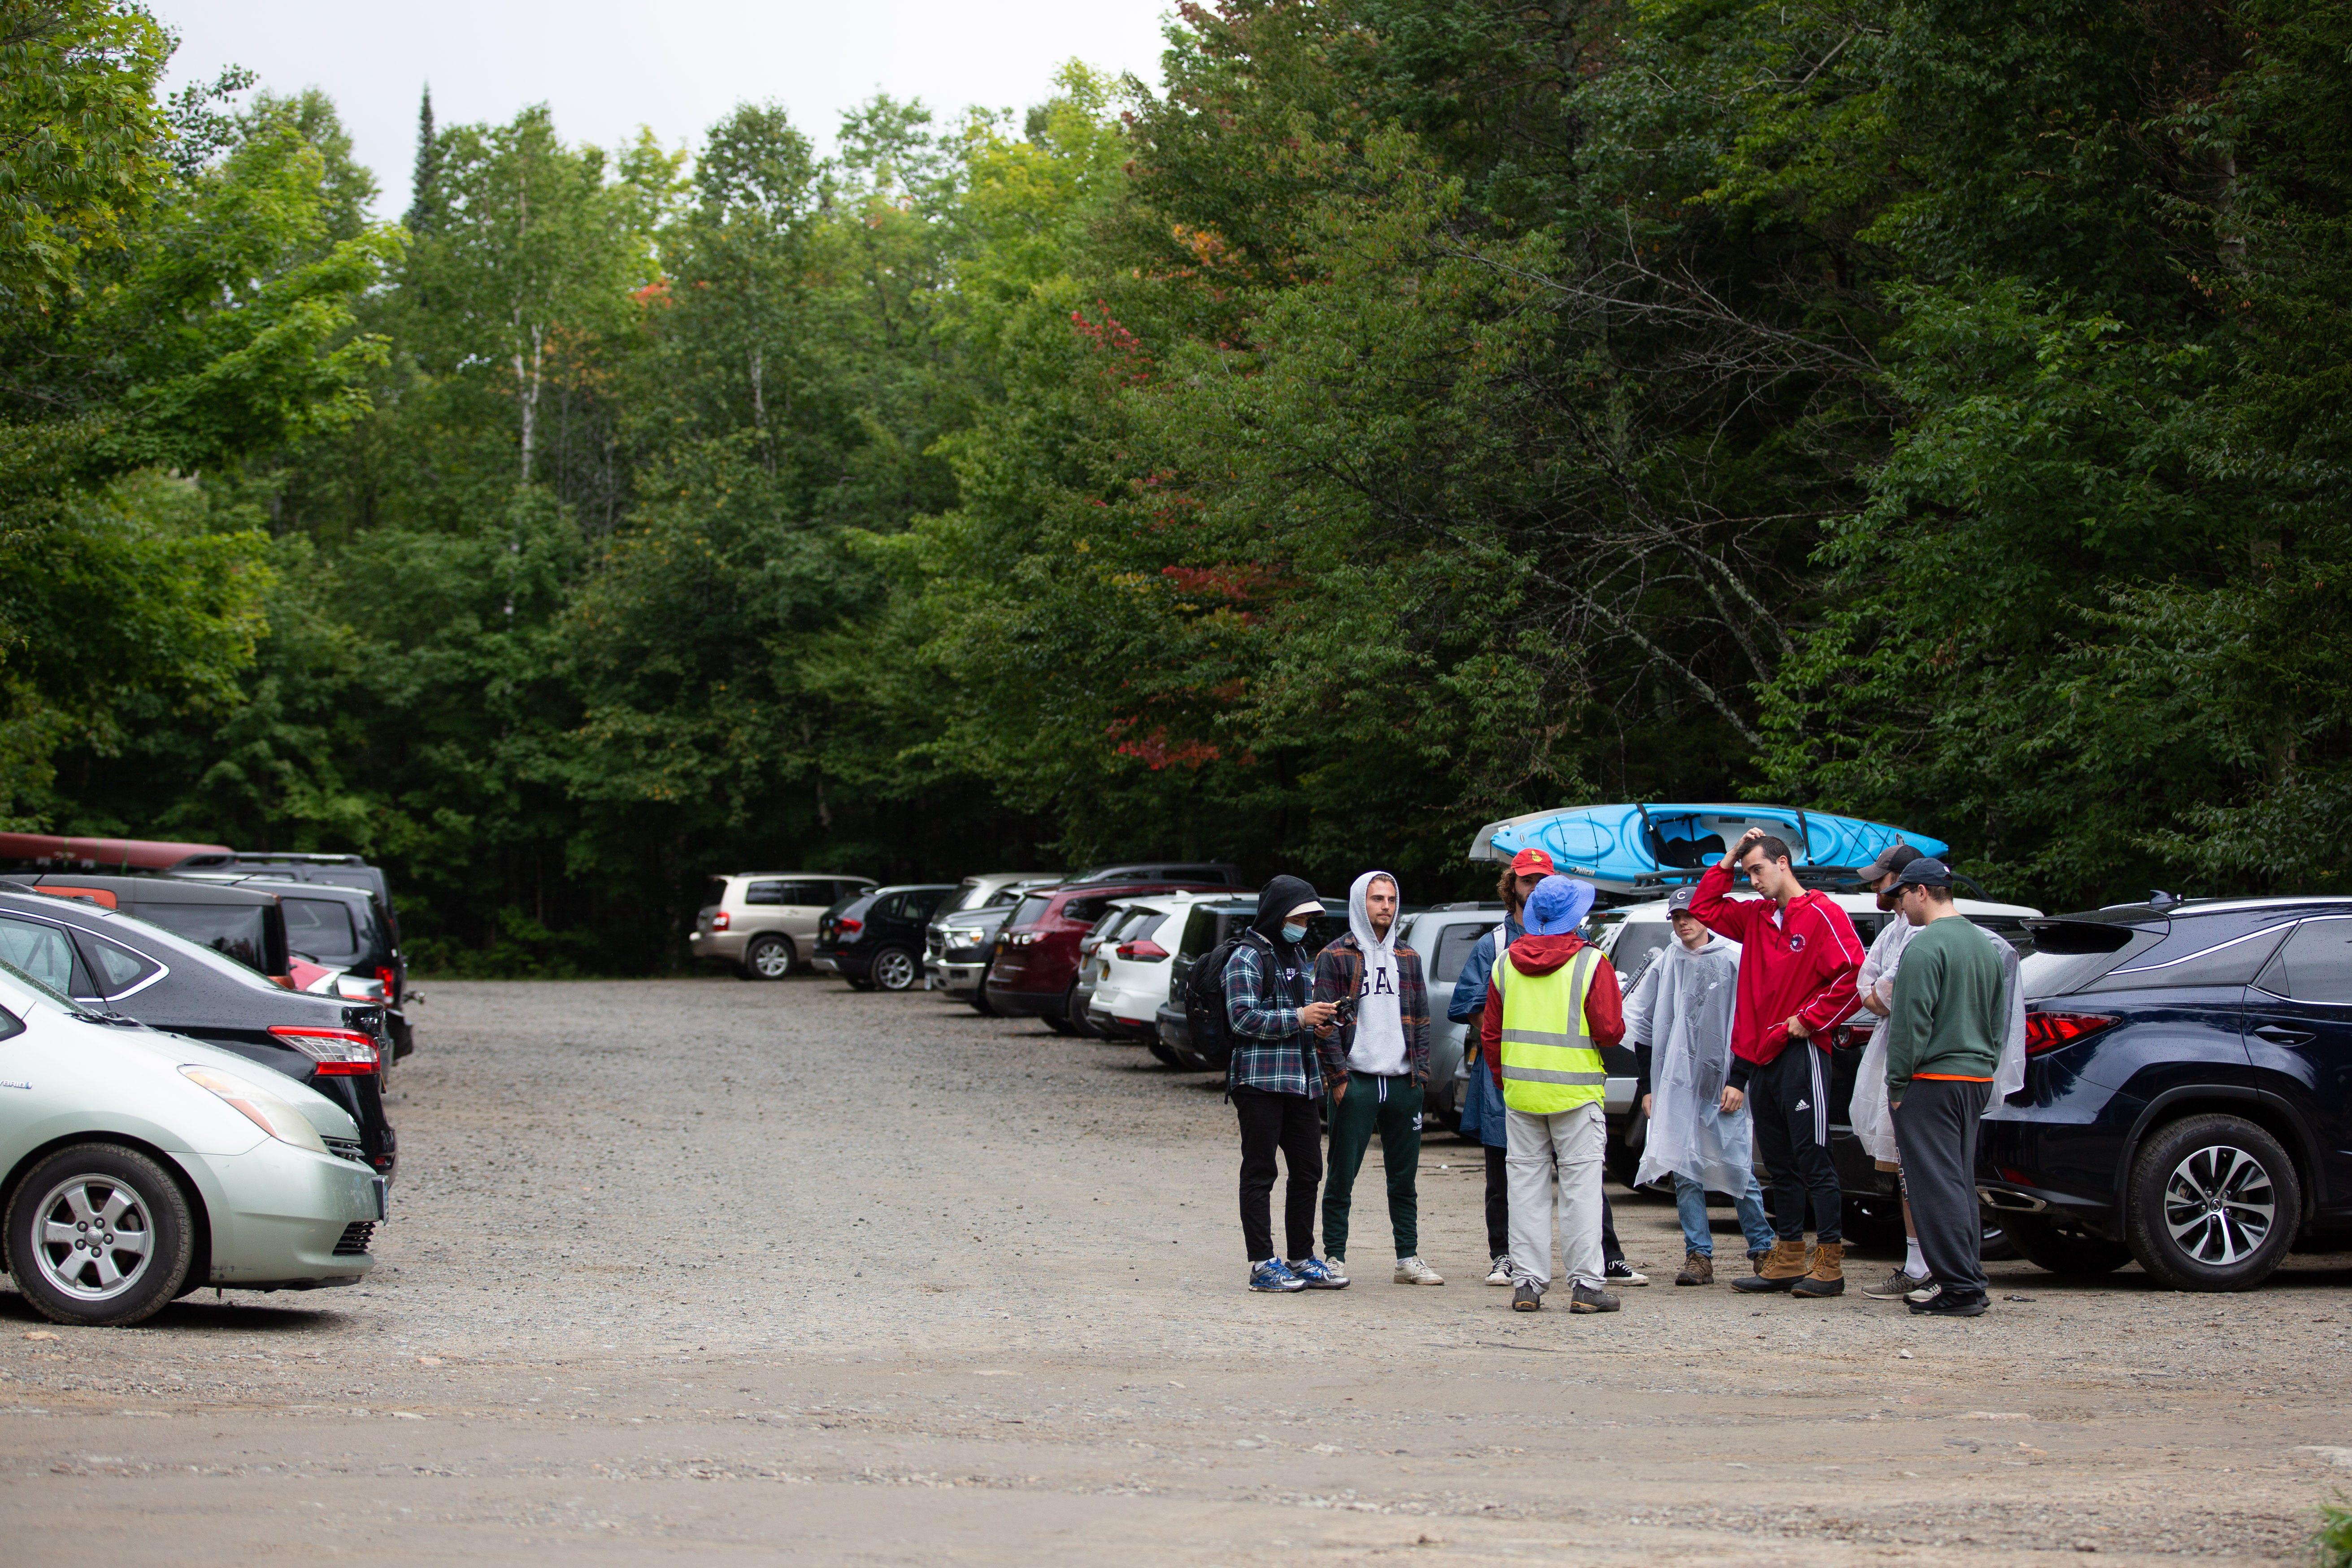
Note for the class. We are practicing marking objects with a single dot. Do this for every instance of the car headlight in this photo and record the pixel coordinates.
(260, 1107)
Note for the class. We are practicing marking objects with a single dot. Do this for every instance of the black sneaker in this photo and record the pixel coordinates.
(1528, 1298)
(1952, 1304)
(1585, 1298)
(1620, 1272)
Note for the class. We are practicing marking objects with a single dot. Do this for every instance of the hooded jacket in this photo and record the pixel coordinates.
(1265, 984)
(1352, 966)
(1603, 1002)
(1681, 1009)
(1796, 961)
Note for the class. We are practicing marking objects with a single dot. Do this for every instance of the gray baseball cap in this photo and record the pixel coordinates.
(1678, 902)
(1894, 858)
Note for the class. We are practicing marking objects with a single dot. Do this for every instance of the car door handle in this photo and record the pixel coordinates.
(2280, 1035)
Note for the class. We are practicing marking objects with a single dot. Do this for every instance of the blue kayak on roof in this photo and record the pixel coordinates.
(1653, 848)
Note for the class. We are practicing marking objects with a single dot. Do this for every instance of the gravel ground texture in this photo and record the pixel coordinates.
(717, 1270)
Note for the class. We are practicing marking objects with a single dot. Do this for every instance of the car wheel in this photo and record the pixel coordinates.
(2067, 1251)
(895, 969)
(1075, 1013)
(2213, 1205)
(1059, 1025)
(982, 1004)
(1995, 1245)
(1165, 1052)
(99, 1235)
(770, 958)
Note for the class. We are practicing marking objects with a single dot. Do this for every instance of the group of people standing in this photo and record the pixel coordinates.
(1732, 1027)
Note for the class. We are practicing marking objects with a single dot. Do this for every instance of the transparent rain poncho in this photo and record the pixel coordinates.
(1872, 1116)
(1681, 1007)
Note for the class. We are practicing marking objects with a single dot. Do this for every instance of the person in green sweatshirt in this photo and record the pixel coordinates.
(1944, 1031)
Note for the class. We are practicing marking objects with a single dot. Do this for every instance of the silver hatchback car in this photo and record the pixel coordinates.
(762, 924)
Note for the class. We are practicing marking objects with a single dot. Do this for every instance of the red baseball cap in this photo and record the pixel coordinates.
(1531, 862)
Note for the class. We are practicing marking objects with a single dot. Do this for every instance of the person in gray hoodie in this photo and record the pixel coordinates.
(1375, 1059)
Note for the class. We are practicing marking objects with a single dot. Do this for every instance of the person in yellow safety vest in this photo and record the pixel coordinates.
(1561, 1008)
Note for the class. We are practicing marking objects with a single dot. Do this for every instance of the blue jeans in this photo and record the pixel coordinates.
(1690, 1204)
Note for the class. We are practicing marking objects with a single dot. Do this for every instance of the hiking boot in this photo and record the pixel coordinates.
(1827, 1277)
(1894, 1287)
(1414, 1271)
(1952, 1304)
(1698, 1269)
(1620, 1272)
(1321, 1273)
(1502, 1273)
(1528, 1298)
(1586, 1298)
(1755, 1259)
(1274, 1275)
(1781, 1268)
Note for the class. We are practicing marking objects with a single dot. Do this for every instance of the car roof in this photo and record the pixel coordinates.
(1852, 903)
(803, 876)
(146, 889)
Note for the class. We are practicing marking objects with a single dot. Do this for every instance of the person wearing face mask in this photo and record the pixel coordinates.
(1375, 1059)
(1275, 1079)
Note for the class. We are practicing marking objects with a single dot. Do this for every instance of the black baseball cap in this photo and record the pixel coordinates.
(1894, 858)
(1924, 871)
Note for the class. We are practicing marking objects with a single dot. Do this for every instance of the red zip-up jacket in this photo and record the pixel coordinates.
(1801, 964)
(1604, 1003)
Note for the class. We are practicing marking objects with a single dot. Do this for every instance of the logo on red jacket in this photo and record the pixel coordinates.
(1796, 941)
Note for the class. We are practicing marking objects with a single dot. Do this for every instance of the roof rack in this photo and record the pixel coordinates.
(268, 858)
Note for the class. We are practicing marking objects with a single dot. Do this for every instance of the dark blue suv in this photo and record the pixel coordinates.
(2187, 1098)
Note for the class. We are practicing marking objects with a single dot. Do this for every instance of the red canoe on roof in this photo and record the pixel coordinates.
(54, 852)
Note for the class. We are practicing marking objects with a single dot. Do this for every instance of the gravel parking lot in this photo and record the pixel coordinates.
(706, 1268)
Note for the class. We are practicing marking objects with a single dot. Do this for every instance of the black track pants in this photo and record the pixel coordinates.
(1935, 1128)
(1790, 1099)
(1287, 1122)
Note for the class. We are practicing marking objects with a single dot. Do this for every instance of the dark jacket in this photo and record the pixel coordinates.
(1339, 972)
(1266, 981)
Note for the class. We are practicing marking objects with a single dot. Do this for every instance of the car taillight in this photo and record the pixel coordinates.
(2048, 1031)
(339, 1053)
(1146, 950)
(721, 921)
(391, 983)
(845, 923)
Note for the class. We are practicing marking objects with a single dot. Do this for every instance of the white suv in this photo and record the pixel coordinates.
(762, 924)
(1130, 970)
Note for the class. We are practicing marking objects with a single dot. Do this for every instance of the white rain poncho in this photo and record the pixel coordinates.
(1872, 1116)
(1681, 1007)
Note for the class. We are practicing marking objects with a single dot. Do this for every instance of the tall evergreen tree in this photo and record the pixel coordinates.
(425, 194)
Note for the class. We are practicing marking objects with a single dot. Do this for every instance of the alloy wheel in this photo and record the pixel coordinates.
(772, 960)
(96, 1238)
(2220, 1204)
(894, 970)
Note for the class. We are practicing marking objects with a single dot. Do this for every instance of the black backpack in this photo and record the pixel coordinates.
(1204, 1002)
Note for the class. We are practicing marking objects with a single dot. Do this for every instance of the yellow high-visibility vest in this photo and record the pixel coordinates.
(1549, 1063)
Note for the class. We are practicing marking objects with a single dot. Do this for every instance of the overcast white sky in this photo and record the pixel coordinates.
(605, 67)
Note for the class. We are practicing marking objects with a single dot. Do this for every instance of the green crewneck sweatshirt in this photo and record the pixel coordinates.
(1947, 1019)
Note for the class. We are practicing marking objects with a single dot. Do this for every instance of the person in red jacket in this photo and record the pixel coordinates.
(1797, 957)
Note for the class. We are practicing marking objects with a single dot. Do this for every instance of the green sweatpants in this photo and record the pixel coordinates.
(1392, 1107)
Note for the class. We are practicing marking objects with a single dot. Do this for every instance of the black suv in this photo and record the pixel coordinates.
(875, 939)
(2187, 1098)
(390, 970)
(336, 927)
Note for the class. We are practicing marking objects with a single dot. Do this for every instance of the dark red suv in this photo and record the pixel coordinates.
(1036, 963)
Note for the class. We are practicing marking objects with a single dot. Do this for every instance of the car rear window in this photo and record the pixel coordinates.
(321, 928)
(1454, 944)
(239, 931)
(1084, 911)
(2214, 956)
(2068, 954)
(714, 892)
(1639, 942)
(1030, 911)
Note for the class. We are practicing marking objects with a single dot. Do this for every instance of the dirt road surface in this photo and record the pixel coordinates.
(718, 1271)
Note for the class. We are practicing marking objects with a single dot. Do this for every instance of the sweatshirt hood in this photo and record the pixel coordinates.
(1275, 901)
(1542, 954)
(1359, 917)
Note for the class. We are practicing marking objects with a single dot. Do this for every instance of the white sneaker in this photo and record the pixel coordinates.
(1414, 1271)
(1503, 1273)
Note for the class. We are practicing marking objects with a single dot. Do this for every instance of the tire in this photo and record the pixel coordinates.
(770, 958)
(895, 969)
(1996, 1244)
(1080, 1024)
(980, 1002)
(50, 1220)
(2213, 1205)
(857, 984)
(1869, 1226)
(1165, 1052)
(2067, 1251)
(1059, 1025)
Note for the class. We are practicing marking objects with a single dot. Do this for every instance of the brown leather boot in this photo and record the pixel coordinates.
(1781, 1270)
(1698, 1269)
(1827, 1277)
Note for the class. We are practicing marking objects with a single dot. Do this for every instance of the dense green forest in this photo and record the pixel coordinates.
(1404, 412)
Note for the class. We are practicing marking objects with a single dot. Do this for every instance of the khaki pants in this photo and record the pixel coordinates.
(1569, 1141)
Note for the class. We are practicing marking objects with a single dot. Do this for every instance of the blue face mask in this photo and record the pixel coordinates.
(1294, 931)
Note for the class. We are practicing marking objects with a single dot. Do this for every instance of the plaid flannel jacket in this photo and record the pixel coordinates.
(1339, 972)
(1271, 1050)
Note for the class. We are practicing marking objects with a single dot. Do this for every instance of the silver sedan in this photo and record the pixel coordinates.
(136, 1166)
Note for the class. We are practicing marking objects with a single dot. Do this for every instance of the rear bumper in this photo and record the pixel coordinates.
(717, 946)
(847, 963)
(1027, 1004)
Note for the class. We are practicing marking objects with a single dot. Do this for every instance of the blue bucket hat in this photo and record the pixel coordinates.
(1559, 906)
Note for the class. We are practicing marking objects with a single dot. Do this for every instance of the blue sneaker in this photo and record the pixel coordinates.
(1319, 1273)
(1275, 1275)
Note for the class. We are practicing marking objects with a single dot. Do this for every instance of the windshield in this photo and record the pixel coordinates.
(1030, 911)
(56, 999)
(972, 893)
